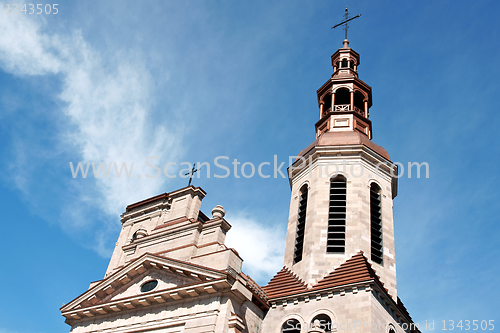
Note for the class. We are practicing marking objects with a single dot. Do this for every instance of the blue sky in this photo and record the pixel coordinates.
(192, 80)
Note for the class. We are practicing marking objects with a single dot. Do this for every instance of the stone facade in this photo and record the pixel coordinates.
(357, 164)
(198, 283)
(351, 310)
(171, 271)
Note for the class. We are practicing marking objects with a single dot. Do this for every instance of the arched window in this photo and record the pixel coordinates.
(344, 63)
(342, 97)
(376, 224)
(322, 322)
(359, 101)
(336, 215)
(301, 225)
(291, 326)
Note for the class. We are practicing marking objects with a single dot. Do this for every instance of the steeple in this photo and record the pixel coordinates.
(342, 184)
(344, 100)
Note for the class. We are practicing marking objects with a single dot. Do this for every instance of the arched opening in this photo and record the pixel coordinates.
(359, 103)
(351, 64)
(139, 234)
(291, 326)
(344, 63)
(301, 225)
(328, 103)
(336, 215)
(377, 254)
(322, 322)
(342, 99)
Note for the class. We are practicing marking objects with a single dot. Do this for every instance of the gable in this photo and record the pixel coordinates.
(285, 282)
(121, 290)
(165, 279)
(354, 270)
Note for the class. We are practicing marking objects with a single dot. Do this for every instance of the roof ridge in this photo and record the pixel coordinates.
(285, 282)
(355, 269)
(295, 276)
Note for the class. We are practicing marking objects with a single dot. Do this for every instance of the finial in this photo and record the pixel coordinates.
(346, 25)
(218, 212)
(346, 42)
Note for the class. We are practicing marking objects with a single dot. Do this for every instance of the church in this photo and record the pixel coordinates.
(171, 271)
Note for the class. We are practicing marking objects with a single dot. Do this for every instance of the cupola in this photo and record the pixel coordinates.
(344, 100)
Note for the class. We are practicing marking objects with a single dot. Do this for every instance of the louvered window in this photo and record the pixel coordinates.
(376, 224)
(301, 226)
(336, 216)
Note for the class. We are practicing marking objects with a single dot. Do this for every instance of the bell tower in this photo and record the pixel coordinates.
(342, 185)
(344, 100)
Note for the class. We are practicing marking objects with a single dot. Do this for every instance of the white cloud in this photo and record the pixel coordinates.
(261, 246)
(106, 98)
(23, 49)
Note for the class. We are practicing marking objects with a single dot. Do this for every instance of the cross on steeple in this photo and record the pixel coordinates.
(346, 20)
(191, 173)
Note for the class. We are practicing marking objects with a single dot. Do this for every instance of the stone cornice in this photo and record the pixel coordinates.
(371, 285)
(175, 229)
(150, 299)
(346, 152)
(146, 211)
(330, 292)
(144, 263)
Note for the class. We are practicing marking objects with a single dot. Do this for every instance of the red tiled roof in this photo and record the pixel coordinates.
(259, 296)
(354, 269)
(284, 283)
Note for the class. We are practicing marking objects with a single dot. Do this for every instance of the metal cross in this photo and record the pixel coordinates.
(191, 174)
(345, 21)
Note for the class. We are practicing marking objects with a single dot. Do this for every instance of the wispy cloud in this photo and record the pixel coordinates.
(24, 50)
(260, 244)
(105, 98)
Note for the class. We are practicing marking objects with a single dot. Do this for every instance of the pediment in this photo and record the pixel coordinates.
(163, 278)
(122, 290)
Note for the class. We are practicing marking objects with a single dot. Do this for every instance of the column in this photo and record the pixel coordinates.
(352, 100)
(366, 108)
